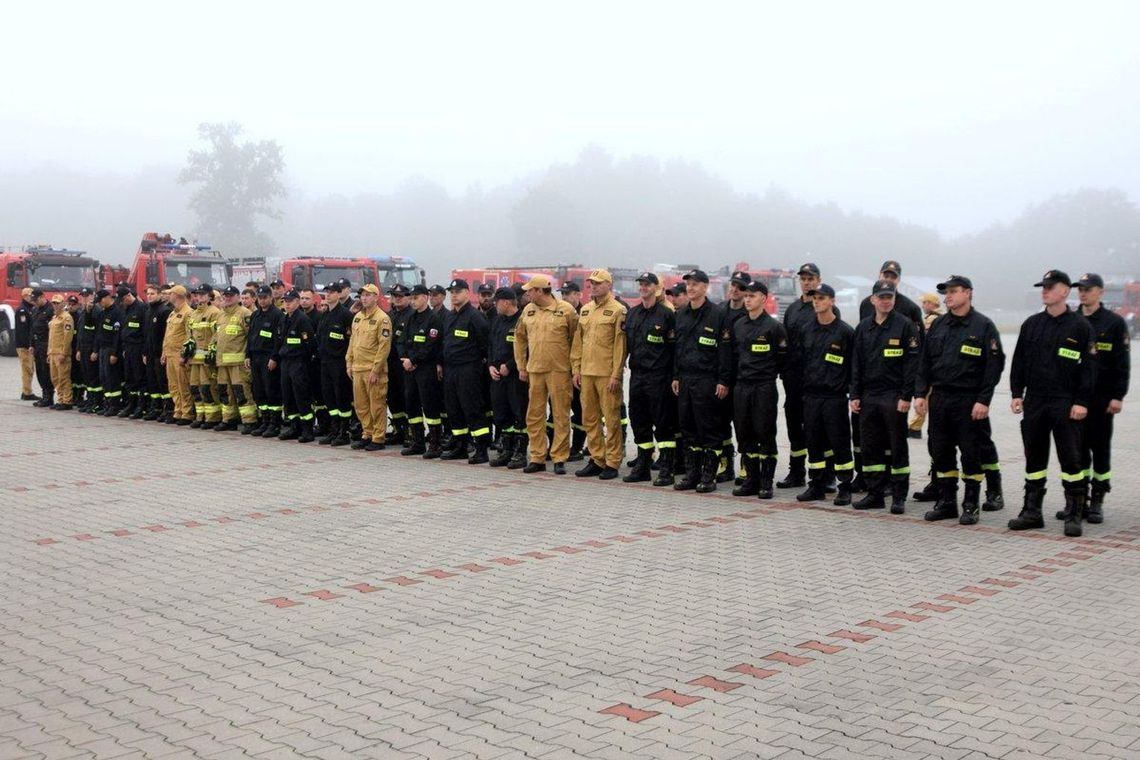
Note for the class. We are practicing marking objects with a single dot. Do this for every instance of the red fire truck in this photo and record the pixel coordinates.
(52, 270)
(161, 259)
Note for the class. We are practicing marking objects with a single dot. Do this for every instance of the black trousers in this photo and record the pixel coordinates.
(423, 396)
(1096, 444)
(509, 397)
(336, 387)
(728, 418)
(397, 403)
(755, 407)
(698, 410)
(1045, 417)
(463, 397)
(827, 430)
(78, 384)
(266, 384)
(134, 372)
(157, 386)
(110, 376)
(43, 371)
(296, 390)
(652, 409)
(882, 429)
(91, 373)
(316, 399)
(794, 416)
(952, 430)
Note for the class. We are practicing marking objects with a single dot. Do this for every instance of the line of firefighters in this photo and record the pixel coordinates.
(528, 365)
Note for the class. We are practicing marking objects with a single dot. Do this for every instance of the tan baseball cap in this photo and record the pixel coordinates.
(600, 275)
(179, 290)
(538, 282)
(57, 298)
(26, 292)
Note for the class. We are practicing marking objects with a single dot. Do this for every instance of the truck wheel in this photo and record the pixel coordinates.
(7, 338)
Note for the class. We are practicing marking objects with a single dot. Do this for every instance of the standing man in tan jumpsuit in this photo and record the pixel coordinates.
(543, 337)
(61, 330)
(175, 355)
(367, 364)
(231, 343)
(597, 362)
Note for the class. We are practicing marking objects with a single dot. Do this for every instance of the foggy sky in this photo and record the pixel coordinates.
(950, 115)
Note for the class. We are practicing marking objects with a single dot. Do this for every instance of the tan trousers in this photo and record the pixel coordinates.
(553, 387)
(178, 380)
(205, 379)
(27, 369)
(60, 366)
(371, 402)
(237, 401)
(598, 402)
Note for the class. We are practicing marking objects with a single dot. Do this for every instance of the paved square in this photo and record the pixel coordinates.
(175, 593)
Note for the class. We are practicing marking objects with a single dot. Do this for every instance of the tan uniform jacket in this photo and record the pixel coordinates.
(61, 329)
(232, 335)
(543, 337)
(371, 341)
(177, 331)
(599, 342)
(203, 325)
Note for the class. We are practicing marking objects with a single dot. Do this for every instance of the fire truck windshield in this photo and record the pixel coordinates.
(784, 286)
(356, 276)
(194, 273)
(61, 276)
(406, 277)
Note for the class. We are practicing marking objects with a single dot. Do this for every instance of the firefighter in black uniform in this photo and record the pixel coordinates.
(825, 348)
(886, 355)
(109, 348)
(333, 333)
(78, 385)
(86, 328)
(161, 405)
(131, 343)
(734, 309)
(41, 317)
(800, 315)
(702, 372)
(400, 311)
(890, 271)
(650, 338)
(1112, 370)
(1052, 380)
(264, 327)
(760, 347)
(295, 348)
(315, 315)
(419, 352)
(464, 354)
(509, 394)
(962, 361)
(571, 293)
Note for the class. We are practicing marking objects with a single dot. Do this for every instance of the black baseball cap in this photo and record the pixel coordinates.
(419, 290)
(486, 287)
(72, 299)
(954, 281)
(696, 274)
(459, 285)
(399, 290)
(122, 290)
(264, 290)
(278, 283)
(882, 286)
(649, 278)
(891, 266)
(570, 287)
(755, 286)
(232, 290)
(437, 290)
(100, 294)
(86, 291)
(809, 268)
(823, 290)
(205, 289)
(1090, 281)
(334, 287)
(505, 294)
(678, 289)
(292, 295)
(1052, 277)
(740, 277)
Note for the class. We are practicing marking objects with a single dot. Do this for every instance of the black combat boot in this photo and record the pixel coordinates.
(750, 485)
(931, 491)
(518, 452)
(796, 473)
(305, 433)
(433, 450)
(479, 456)
(692, 474)
(274, 429)
(507, 443)
(639, 471)
(814, 491)
(142, 408)
(665, 467)
(876, 485)
(994, 500)
(971, 503)
(577, 442)
(329, 430)
(946, 507)
(291, 430)
(459, 451)
(1075, 503)
(1095, 511)
(898, 496)
(1030, 517)
(767, 475)
(342, 438)
(591, 470)
(726, 467)
(843, 494)
(415, 446)
(128, 407)
(709, 466)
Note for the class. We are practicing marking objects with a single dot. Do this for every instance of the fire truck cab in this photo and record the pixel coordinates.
(52, 270)
(161, 260)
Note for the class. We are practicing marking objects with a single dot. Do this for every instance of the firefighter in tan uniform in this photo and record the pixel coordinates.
(61, 331)
(367, 364)
(203, 373)
(597, 361)
(176, 352)
(234, 381)
(543, 337)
